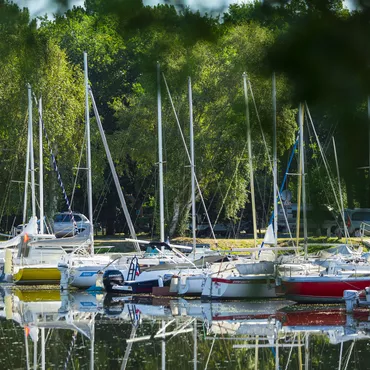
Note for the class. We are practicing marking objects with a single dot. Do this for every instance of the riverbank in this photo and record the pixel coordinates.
(314, 243)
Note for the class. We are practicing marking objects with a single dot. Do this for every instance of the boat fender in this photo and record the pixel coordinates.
(367, 294)
(8, 265)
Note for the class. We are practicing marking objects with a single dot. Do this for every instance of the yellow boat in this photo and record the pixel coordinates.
(37, 275)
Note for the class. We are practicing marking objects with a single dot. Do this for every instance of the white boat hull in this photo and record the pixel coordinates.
(249, 286)
(84, 276)
(191, 285)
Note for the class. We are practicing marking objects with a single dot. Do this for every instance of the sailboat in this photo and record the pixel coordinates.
(253, 277)
(174, 264)
(81, 267)
(33, 261)
(328, 284)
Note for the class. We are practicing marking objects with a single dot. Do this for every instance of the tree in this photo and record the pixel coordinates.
(219, 115)
(30, 58)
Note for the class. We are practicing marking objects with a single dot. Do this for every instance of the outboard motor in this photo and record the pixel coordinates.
(112, 277)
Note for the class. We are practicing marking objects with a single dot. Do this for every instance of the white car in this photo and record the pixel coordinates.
(63, 224)
(356, 219)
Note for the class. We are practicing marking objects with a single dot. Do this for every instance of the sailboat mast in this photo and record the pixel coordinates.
(88, 155)
(301, 152)
(26, 180)
(160, 154)
(299, 192)
(41, 170)
(250, 159)
(275, 186)
(114, 173)
(368, 119)
(192, 165)
(32, 162)
(340, 190)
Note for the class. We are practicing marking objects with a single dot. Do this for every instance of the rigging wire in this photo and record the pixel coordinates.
(56, 169)
(229, 187)
(188, 155)
(13, 168)
(145, 196)
(270, 163)
(78, 168)
(325, 189)
(102, 197)
(326, 164)
(155, 203)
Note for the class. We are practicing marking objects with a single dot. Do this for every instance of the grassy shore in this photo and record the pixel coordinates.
(315, 243)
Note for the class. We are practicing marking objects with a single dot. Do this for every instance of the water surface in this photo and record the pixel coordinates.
(44, 330)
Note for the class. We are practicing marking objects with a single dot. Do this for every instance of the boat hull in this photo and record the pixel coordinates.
(320, 289)
(253, 286)
(84, 276)
(134, 287)
(191, 285)
(37, 275)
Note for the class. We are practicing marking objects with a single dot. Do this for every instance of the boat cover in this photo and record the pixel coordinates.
(342, 249)
(83, 238)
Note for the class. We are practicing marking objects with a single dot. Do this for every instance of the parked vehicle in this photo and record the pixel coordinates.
(355, 218)
(291, 216)
(204, 230)
(321, 221)
(16, 230)
(63, 224)
(332, 225)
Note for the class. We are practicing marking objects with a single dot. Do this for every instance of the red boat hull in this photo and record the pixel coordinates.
(317, 289)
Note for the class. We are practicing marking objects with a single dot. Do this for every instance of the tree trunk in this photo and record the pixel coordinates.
(181, 212)
(349, 191)
(175, 217)
(110, 227)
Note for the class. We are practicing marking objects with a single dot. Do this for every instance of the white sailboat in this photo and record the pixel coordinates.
(80, 268)
(173, 263)
(35, 258)
(251, 278)
(321, 285)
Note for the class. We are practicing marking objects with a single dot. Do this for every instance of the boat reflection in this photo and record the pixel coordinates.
(78, 329)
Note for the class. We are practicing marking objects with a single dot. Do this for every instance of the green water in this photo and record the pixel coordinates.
(82, 331)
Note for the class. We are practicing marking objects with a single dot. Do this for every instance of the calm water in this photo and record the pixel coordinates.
(44, 330)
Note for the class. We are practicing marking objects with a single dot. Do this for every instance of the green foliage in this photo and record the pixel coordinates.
(318, 50)
(219, 116)
(31, 58)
